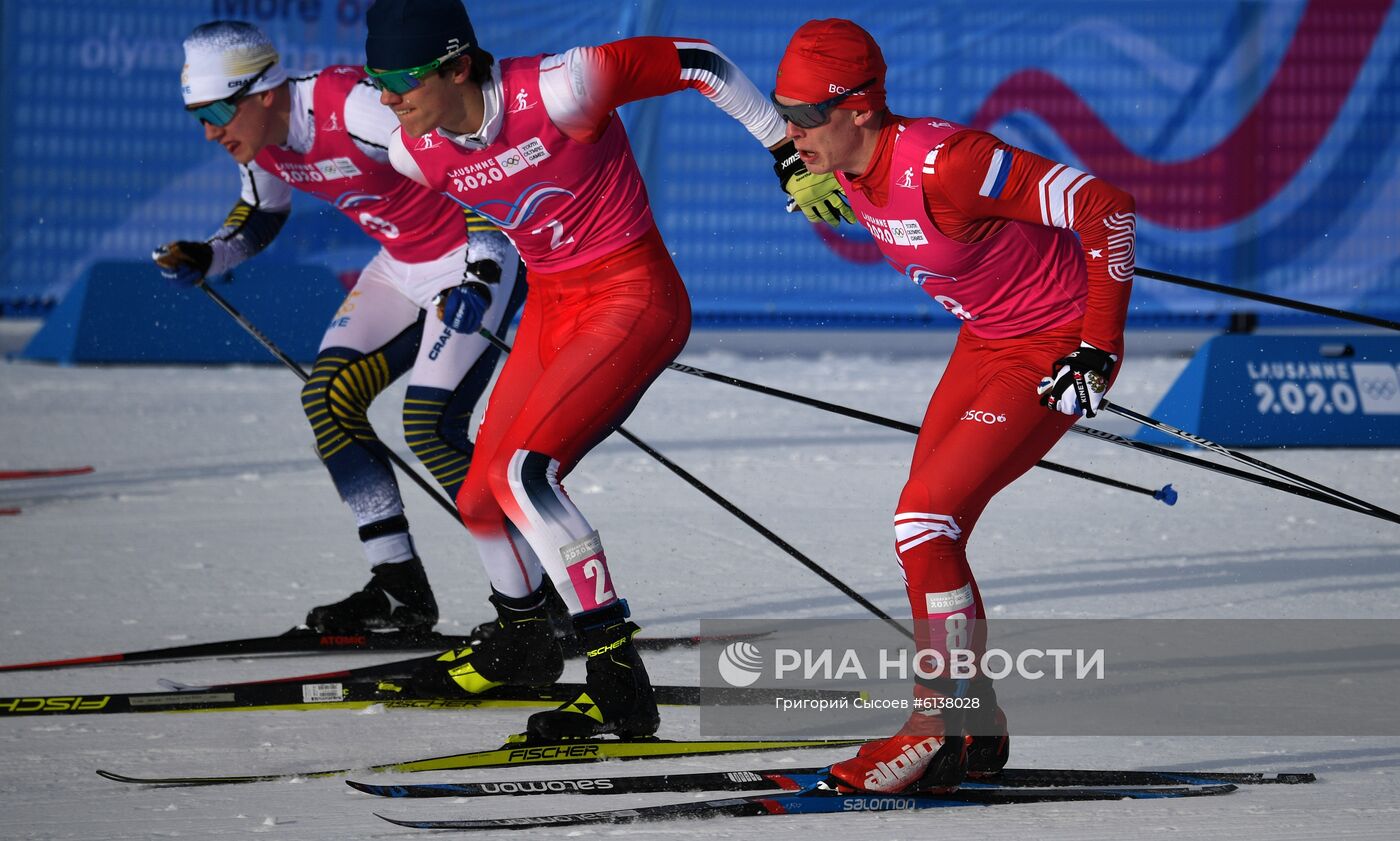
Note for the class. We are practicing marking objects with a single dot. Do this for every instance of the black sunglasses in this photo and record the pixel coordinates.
(220, 112)
(813, 114)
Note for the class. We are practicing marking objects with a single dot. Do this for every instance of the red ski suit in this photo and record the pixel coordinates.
(606, 312)
(985, 228)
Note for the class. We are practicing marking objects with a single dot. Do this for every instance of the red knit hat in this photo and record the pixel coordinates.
(828, 57)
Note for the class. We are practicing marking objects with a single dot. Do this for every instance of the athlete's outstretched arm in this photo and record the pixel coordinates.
(583, 86)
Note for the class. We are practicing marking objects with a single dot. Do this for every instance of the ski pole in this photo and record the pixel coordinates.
(1167, 494)
(1223, 469)
(1153, 423)
(291, 364)
(763, 530)
(1288, 303)
(743, 517)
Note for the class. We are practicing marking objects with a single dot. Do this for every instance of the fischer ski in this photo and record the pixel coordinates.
(45, 473)
(517, 752)
(305, 641)
(795, 779)
(814, 802)
(319, 692)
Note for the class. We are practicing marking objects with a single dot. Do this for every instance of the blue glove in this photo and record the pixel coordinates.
(463, 307)
(184, 263)
(1078, 382)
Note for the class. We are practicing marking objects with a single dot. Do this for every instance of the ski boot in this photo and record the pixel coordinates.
(559, 620)
(522, 651)
(618, 697)
(397, 598)
(989, 742)
(928, 754)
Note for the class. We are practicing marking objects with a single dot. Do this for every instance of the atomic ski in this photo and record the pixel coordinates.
(295, 641)
(45, 474)
(817, 802)
(519, 752)
(306, 641)
(795, 779)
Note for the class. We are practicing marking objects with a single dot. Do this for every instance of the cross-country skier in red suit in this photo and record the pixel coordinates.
(534, 145)
(1036, 259)
(325, 133)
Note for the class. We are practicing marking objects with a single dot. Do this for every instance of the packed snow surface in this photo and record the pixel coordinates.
(208, 516)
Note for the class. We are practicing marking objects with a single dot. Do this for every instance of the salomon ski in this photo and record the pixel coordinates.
(794, 779)
(814, 802)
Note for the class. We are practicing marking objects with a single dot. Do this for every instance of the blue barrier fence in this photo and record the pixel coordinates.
(1262, 140)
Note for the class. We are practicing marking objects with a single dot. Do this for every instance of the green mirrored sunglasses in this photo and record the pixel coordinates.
(406, 79)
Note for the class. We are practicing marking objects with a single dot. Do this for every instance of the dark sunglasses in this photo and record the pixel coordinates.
(813, 114)
(220, 112)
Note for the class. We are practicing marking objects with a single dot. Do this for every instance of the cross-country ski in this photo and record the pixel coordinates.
(799, 778)
(818, 803)
(520, 752)
(302, 640)
(357, 689)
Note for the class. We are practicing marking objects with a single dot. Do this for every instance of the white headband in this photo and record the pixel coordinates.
(221, 57)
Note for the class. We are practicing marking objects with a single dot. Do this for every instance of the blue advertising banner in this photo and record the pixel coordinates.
(124, 312)
(1261, 140)
(1272, 391)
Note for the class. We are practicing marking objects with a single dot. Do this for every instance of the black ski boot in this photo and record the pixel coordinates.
(522, 651)
(989, 742)
(559, 620)
(618, 697)
(397, 598)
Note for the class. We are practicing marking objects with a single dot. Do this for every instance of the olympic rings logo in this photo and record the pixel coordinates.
(1380, 389)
